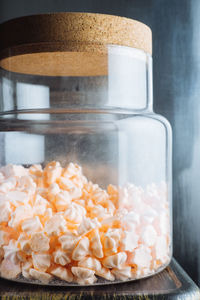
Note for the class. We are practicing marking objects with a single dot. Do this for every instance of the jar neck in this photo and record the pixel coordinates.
(126, 86)
(129, 79)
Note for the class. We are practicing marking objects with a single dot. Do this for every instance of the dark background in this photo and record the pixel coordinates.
(176, 53)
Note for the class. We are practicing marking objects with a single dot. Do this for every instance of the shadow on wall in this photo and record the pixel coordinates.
(176, 95)
(176, 28)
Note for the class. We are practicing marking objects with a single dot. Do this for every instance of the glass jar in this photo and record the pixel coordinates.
(85, 177)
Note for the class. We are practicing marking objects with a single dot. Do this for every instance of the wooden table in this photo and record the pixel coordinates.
(172, 283)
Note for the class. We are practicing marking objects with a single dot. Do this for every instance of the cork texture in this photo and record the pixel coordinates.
(43, 44)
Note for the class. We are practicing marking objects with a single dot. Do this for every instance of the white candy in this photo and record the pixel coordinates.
(111, 241)
(96, 245)
(5, 211)
(105, 273)
(35, 168)
(72, 170)
(81, 250)
(63, 274)
(80, 181)
(68, 241)
(24, 243)
(90, 188)
(87, 224)
(53, 172)
(149, 216)
(41, 276)
(54, 189)
(142, 273)
(110, 209)
(75, 213)
(114, 233)
(41, 191)
(55, 225)
(131, 220)
(20, 214)
(115, 261)
(75, 193)
(148, 236)
(41, 261)
(40, 205)
(11, 250)
(130, 196)
(90, 263)
(8, 184)
(39, 242)
(66, 184)
(123, 273)
(161, 251)
(80, 202)
(14, 170)
(130, 241)
(62, 200)
(110, 245)
(87, 281)
(48, 213)
(152, 191)
(17, 198)
(161, 224)
(82, 273)
(39, 210)
(74, 173)
(142, 257)
(26, 182)
(9, 269)
(99, 211)
(61, 258)
(26, 266)
(90, 203)
(32, 225)
(100, 196)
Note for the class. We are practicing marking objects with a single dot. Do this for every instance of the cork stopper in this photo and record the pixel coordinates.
(67, 44)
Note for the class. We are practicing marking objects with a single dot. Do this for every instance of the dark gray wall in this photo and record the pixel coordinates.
(176, 42)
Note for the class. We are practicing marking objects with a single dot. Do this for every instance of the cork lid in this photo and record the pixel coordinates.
(67, 44)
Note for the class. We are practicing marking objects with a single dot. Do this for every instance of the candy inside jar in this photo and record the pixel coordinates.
(54, 223)
(85, 163)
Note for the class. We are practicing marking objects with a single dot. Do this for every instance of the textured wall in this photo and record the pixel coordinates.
(176, 43)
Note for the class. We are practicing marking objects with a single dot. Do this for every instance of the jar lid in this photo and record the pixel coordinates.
(67, 44)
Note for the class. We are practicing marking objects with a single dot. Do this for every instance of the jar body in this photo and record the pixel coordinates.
(85, 193)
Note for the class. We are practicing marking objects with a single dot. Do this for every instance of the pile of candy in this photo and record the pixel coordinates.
(55, 223)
